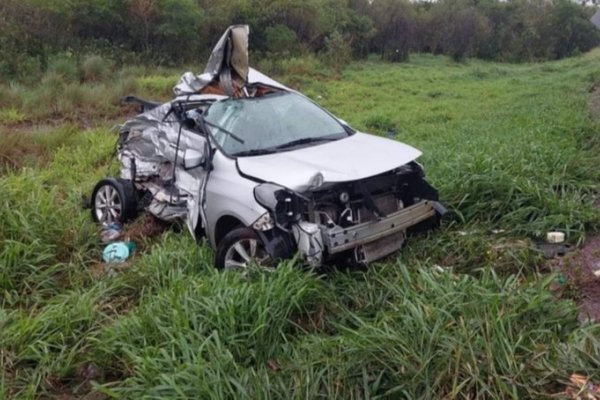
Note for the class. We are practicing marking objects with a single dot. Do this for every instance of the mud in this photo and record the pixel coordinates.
(582, 284)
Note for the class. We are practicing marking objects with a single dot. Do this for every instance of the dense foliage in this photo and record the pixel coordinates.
(172, 31)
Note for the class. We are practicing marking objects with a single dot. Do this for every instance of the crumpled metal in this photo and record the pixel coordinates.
(230, 54)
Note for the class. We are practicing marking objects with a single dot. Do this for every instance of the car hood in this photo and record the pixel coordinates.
(356, 157)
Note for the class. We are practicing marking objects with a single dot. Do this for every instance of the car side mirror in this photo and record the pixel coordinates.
(193, 159)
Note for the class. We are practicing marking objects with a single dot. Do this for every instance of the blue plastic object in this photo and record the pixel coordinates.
(116, 252)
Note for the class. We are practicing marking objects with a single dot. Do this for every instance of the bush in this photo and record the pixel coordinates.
(64, 66)
(29, 69)
(280, 39)
(96, 68)
(338, 51)
(11, 95)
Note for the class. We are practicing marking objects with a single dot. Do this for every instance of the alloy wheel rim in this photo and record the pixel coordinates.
(245, 252)
(108, 205)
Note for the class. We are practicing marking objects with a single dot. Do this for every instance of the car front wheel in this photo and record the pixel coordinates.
(240, 248)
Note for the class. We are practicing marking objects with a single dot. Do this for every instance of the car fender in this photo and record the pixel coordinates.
(229, 194)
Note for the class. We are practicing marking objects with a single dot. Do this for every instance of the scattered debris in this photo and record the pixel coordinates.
(118, 252)
(554, 245)
(111, 232)
(439, 269)
(555, 237)
(115, 252)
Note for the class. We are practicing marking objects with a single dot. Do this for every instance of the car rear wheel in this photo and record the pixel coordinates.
(241, 248)
(113, 200)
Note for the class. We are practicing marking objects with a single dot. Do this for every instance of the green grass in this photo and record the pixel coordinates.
(11, 116)
(511, 147)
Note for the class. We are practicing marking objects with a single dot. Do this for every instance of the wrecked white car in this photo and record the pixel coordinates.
(263, 172)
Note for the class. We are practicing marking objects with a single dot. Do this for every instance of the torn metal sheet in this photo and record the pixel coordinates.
(231, 51)
(228, 60)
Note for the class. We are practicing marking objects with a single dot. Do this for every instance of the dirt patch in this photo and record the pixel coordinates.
(144, 229)
(579, 270)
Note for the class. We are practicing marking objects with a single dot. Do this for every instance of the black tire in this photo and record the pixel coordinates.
(239, 235)
(123, 195)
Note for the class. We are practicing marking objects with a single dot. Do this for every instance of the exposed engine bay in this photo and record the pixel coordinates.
(359, 221)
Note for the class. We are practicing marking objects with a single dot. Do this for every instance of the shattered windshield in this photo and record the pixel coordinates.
(270, 123)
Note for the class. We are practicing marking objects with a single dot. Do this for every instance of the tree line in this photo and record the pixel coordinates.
(178, 31)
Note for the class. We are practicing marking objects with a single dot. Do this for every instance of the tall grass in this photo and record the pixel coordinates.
(83, 91)
(513, 150)
(45, 235)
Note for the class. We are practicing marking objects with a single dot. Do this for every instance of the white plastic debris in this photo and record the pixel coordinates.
(555, 237)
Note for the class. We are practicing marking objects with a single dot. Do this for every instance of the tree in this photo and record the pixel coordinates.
(574, 32)
(338, 51)
(144, 13)
(280, 39)
(395, 22)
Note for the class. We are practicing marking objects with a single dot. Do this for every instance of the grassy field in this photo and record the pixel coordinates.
(512, 148)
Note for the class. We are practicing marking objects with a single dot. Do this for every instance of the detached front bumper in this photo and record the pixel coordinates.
(376, 239)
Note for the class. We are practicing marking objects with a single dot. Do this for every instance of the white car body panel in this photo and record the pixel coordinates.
(356, 157)
(228, 194)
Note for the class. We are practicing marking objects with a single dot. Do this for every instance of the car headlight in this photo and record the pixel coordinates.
(284, 205)
(264, 223)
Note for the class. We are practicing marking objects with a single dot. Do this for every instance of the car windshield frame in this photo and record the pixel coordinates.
(226, 131)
